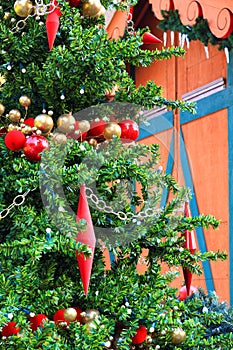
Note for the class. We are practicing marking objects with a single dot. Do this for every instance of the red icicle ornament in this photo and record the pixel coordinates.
(190, 243)
(86, 237)
(52, 23)
(149, 38)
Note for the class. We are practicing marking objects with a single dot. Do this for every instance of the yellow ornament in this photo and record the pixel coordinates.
(44, 123)
(27, 130)
(90, 315)
(15, 115)
(178, 336)
(25, 101)
(59, 138)
(111, 130)
(2, 109)
(93, 142)
(66, 123)
(70, 314)
(91, 8)
(84, 125)
(23, 7)
(101, 12)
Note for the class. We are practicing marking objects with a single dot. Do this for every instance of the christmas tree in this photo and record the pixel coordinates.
(76, 186)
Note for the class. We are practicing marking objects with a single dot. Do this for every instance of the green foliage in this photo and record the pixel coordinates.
(39, 272)
(199, 31)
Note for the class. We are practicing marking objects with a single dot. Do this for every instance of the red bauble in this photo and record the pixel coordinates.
(29, 121)
(129, 129)
(15, 140)
(73, 3)
(3, 131)
(140, 336)
(79, 311)
(58, 317)
(37, 321)
(10, 329)
(81, 136)
(34, 145)
(183, 292)
(97, 129)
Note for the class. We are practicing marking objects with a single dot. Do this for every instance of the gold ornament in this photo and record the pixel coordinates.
(90, 315)
(23, 7)
(2, 79)
(111, 130)
(27, 130)
(178, 336)
(59, 138)
(93, 142)
(15, 115)
(91, 8)
(84, 125)
(2, 109)
(44, 123)
(66, 123)
(25, 101)
(70, 314)
(12, 127)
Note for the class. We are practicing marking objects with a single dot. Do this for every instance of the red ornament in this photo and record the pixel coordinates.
(10, 329)
(58, 317)
(3, 131)
(37, 321)
(30, 122)
(77, 136)
(129, 129)
(97, 129)
(149, 38)
(86, 237)
(140, 335)
(79, 311)
(33, 147)
(15, 140)
(52, 24)
(183, 292)
(73, 3)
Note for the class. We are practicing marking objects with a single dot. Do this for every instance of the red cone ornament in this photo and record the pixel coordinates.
(52, 24)
(183, 292)
(87, 237)
(190, 243)
(149, 38)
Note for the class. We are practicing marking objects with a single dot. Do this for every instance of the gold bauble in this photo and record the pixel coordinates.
(44, 123)
(23, 7)
(70, 314)
(91, 8)
(24, 101)
(26, 130)
(59, 138)
(91, 325)
(111, 130)
(93, 142)
(178, 336)
(84, 125)
(2, 109)
(101, 12)
(90, 315)
(12, 127)
(15, 115)
(66, 123)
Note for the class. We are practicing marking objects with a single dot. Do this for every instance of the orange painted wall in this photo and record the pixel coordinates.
(205, 139)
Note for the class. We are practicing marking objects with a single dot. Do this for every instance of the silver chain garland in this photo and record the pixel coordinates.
(101, 205)
(40, 9)
(17, 201)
